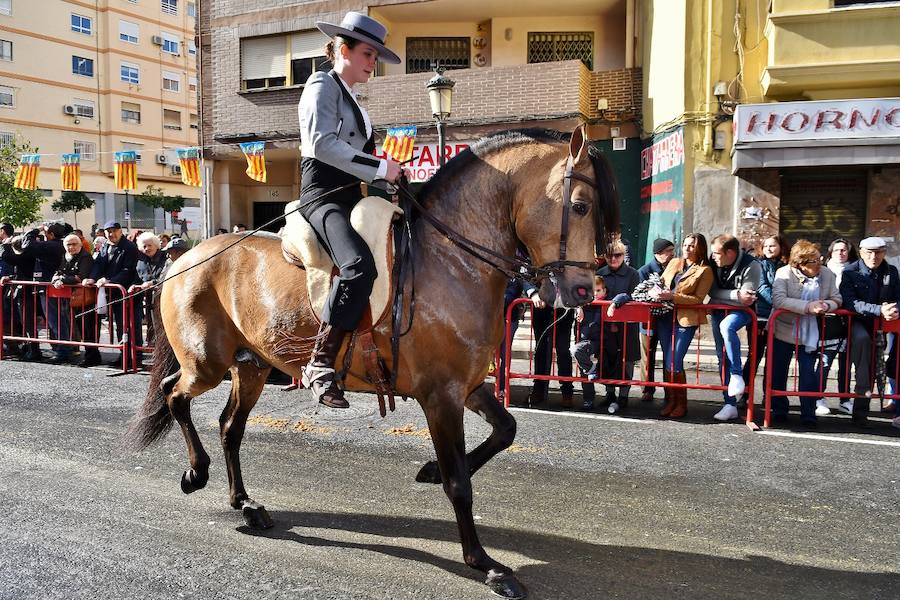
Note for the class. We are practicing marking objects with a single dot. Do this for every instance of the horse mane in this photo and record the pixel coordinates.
(606, 214)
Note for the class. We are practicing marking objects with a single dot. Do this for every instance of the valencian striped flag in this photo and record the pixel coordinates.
(399, 143)
(70, 172)
(26, 176)
(190, 165)
(125, 164)
(256, 160)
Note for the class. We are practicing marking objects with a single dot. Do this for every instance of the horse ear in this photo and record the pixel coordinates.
(578, 144)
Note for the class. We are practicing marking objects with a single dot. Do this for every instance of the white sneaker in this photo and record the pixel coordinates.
(846, 406)
(613, 408)
(822, 408)
(736, 386)
(896, 422)
(728, 413)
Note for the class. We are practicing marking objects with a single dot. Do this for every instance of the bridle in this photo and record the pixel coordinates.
(515, 267)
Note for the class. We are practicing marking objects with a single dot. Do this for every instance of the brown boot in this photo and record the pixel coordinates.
(319, 376)
(680, 408)
(669, 395)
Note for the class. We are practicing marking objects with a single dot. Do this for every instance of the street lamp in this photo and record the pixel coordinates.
(440, 93)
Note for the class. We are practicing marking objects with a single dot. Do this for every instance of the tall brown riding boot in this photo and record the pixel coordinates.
(680, 408)
(319, 376)
(669, 395)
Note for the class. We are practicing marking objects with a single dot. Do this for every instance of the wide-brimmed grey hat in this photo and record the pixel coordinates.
(363, 28)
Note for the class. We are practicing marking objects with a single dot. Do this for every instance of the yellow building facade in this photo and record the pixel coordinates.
(785, 114)
(98, 77)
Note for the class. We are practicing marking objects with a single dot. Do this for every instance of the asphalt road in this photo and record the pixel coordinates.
(581, 507)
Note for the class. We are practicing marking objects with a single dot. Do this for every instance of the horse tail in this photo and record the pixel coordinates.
(607, 219)
(154, 419)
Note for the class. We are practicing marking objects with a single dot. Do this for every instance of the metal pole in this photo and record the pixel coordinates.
(127, 213)
(440, 131)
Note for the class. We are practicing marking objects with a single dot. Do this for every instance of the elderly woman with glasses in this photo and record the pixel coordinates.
(809, 291)
(76, 267)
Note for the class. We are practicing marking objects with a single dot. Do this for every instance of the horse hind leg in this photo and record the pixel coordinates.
(446, 426)
(247, 382)
(483, 403)
(180, 388)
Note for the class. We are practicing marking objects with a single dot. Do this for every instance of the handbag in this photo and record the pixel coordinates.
(82, 297)
(833, 327)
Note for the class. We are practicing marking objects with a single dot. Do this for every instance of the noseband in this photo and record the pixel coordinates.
(520, 268)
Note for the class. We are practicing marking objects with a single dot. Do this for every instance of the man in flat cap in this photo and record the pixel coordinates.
(871, 288)
(117, 264)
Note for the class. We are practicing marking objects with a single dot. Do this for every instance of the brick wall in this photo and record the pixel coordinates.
(621, 88)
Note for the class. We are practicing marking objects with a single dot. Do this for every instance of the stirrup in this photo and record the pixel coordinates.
(312, 374)
(323, 384)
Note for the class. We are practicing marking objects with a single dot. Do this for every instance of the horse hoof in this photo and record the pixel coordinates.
(256, 516)
(506, 586)
(191, 482)
(429, 473)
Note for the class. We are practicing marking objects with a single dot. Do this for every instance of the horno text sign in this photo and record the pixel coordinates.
(818, 120)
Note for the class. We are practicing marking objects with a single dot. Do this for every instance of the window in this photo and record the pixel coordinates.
(5, 7)
(171, 81)
(130, 73)
(171, 119)
(84, 108)
(7, 97)
(192, 83)
(449, 52)
(170, 7)
(81, 24)
(138, 148)
(552, 47)
(171, 44)
(263, 62)
(87, 150)
(192, 9)
(307, 55)
(195, 121)
(131, 113)
(129, 32)
(7, 138)
(82, 66)
(6, 50)
(192, 48)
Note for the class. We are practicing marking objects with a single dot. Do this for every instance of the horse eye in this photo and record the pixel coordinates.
(581, 208)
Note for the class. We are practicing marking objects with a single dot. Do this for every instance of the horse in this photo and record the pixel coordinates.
(241, 308)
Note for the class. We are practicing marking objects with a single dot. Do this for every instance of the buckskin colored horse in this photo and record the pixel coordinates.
(507, 190)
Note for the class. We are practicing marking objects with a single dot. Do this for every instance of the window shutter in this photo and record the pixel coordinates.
(263, 57)
(308, 44)
(128, 28)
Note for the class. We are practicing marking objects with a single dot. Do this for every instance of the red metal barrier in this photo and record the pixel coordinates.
(631, 312)
(880, 325)
(30, 292)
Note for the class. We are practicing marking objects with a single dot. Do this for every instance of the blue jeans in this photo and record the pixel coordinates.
(673, 354)
(57, 312)
(810, 370)
(725, 327)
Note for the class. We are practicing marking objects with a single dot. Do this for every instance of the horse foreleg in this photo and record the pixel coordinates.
(247, 382)
(196, 477)
(446, 426)
(483, 403)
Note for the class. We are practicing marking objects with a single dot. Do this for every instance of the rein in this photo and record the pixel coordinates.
(521, 269)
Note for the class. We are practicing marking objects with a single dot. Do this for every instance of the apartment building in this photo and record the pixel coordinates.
(773, 117)
(95, 77)
(516, 64)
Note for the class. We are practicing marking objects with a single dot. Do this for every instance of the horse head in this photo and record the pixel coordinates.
(565, 223)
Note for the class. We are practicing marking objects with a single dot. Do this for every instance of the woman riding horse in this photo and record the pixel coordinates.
(337, 143)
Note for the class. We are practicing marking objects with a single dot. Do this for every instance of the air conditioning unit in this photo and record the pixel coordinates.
(176, 170)
(69, 109)
(162, 159)
(137, 157)
(156, 40)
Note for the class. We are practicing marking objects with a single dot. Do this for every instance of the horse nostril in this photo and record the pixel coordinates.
(582, 291)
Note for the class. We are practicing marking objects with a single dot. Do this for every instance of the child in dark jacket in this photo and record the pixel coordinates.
(587, 349)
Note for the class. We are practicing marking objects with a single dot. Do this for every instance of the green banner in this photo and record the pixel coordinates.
(662, 189)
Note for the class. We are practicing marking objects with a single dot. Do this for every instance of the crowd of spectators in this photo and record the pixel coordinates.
(807, 287)
(86, 279)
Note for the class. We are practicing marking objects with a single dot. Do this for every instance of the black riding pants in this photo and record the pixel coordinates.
(351, 288)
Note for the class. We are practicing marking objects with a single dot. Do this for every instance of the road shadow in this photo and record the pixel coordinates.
(564, 567)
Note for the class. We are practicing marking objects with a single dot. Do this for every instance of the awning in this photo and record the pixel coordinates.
(815, 153)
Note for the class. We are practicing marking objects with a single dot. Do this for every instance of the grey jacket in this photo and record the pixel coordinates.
(786, 292)
(332, 127)
(744, 274)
